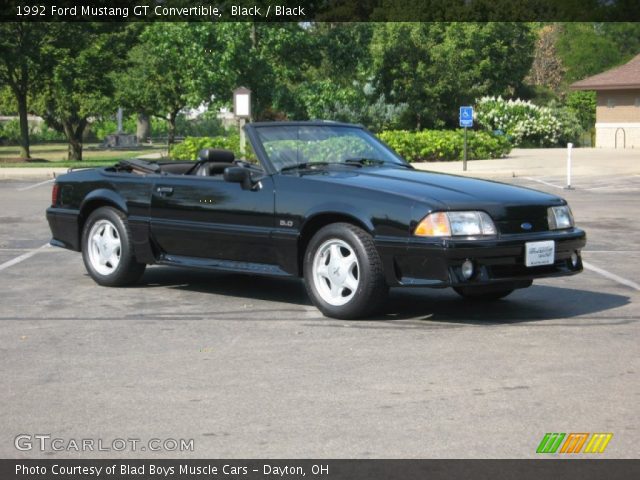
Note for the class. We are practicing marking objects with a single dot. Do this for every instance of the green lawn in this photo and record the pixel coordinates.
(55, 155)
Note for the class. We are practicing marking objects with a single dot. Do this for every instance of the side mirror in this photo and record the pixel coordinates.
(238, 175)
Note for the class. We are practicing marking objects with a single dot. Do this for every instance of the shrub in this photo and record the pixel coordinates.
(206, 124)
(445, 145)
(526, 124)
(189, 148)
(38, 133)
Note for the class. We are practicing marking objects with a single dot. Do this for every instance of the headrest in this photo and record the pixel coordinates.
(215, 155)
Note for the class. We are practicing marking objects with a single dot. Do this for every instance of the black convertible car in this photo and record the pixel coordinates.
(325, 201)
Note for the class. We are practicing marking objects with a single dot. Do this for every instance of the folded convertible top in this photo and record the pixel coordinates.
(140, 165)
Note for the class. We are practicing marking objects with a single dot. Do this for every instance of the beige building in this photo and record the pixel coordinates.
(618, 105)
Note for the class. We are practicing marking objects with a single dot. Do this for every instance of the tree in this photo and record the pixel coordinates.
(585, 50)
(547, 69)
(83, 57)
(436, 67)
(175, 65)
(21, 67)
(274, 61)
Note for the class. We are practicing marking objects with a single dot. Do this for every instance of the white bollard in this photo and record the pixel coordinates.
(569, 147)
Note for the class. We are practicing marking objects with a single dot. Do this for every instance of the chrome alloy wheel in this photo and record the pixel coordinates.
(336, 272)
(104, 247)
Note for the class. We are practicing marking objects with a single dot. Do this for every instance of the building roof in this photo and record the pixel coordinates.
(624, 77)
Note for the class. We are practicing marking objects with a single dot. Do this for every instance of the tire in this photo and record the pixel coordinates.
(343, 272)
(107, 249)
(488, 293)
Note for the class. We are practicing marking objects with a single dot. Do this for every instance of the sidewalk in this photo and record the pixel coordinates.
(30, 173)
(546, 162)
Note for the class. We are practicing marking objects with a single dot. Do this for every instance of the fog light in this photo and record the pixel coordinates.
(574, 259)
(467, 269)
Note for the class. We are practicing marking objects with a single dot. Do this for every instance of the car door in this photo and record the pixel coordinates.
(207, 217)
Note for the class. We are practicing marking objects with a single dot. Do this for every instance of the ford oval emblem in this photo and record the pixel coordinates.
(526, 226)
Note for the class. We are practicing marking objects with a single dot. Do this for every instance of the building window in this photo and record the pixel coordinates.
(610, 103)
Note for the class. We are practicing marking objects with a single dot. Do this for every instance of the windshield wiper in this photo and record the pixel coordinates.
(371, 161)
(303, 165)
(364, 161)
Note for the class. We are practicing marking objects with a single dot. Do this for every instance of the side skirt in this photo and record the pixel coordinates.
(223, 265)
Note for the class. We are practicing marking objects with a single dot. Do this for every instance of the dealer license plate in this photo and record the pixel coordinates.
(539, 253)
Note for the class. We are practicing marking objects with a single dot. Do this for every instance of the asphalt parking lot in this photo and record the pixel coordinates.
(246, 367)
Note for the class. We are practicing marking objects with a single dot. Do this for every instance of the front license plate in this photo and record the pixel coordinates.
(539, 253)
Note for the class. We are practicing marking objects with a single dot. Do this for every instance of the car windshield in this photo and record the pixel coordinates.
(290, 147)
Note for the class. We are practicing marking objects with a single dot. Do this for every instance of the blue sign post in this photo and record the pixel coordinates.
(466, 121)
(466, 117)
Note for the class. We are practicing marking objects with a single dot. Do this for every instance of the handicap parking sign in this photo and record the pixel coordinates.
(466, 116)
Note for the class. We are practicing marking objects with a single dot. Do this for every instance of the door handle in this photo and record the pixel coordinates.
(164, 190)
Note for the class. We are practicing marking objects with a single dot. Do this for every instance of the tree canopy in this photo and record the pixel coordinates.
(384, 75)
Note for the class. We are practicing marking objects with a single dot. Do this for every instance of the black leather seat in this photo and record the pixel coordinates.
(214, 161)
(212, 168)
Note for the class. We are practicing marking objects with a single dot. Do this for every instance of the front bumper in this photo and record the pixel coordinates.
(437, 262)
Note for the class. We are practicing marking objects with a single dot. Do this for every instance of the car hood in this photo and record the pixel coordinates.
(431, 191)
(449, 191)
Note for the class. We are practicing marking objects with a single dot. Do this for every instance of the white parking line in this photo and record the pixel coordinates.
(611, 276)
(28, 187)
(610, 251)
(544, 183)
(22, 257)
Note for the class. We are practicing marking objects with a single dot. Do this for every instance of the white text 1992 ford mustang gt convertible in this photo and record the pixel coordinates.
(327, 202)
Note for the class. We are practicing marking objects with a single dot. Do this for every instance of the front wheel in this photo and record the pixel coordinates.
(107, 249)
(343, 272)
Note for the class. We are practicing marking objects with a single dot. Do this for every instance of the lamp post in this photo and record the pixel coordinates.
(242, 111)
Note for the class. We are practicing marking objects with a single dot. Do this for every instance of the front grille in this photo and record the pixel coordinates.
(511, 220)
(515, 226)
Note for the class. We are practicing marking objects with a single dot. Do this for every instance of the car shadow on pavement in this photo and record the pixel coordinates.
(288, 290)
(537, 303)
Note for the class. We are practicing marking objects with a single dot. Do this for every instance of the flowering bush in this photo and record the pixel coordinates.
(524, 123)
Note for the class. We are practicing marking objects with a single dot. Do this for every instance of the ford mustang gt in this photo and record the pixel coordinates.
(324, 201)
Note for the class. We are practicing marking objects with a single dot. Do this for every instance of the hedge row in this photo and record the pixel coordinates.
(189, 148)
(445, 145)
(427, 145)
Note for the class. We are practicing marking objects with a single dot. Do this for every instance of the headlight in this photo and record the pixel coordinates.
(559, 217)
(448, 224)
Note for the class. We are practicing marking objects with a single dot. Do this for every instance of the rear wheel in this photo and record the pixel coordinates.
(107, 249)
(343, 272)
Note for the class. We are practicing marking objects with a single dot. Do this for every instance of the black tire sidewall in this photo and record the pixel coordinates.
(122, 273)
(364, 301)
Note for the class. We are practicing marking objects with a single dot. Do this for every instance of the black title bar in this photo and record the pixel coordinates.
(321, 10)
(582, 469)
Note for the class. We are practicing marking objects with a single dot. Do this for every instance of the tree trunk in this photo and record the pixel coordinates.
(24, 125)
(143, 127)
(171, 132)
(74, 137)
(75, 150)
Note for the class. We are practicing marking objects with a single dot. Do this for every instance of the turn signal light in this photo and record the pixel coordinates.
(434, 225)
(457, 224)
